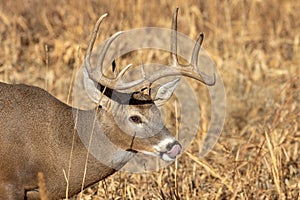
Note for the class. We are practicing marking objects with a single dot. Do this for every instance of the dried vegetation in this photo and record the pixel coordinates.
(256, 46)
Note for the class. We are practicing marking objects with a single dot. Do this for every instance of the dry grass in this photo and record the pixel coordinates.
(256, 45)
(42, 186)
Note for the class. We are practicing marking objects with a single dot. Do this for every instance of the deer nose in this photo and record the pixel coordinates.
(173, 149)
(168, 149)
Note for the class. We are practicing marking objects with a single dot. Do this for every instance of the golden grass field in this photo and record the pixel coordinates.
(256, 47)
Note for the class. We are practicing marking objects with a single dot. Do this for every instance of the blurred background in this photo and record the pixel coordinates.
(256, 47)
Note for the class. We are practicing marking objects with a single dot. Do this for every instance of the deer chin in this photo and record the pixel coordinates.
(167, 158)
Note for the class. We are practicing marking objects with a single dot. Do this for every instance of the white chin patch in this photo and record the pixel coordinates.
(165, 157)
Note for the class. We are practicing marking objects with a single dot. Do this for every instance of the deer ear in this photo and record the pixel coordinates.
(165, 92)
(90, 87)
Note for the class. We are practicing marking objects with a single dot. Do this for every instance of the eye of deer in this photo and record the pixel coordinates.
(136, 119)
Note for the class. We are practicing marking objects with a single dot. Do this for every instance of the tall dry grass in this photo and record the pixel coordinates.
(256, 46)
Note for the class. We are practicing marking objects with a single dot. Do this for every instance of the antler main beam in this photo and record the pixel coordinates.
(174, 69)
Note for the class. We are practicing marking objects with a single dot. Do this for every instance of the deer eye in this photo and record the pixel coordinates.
(136, 119)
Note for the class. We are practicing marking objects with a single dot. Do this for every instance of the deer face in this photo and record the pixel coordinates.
(144, 129)
(137, 119)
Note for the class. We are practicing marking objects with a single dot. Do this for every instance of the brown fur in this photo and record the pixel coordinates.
(36, 132)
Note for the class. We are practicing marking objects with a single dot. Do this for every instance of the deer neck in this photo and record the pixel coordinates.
(93, 149)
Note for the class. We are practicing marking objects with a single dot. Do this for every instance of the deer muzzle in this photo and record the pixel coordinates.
(168, 149)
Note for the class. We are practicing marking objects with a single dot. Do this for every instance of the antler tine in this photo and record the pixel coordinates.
(121, 74)
(174, 59)
(105, 49)
(196, 50)
(102, 79)
(194, 63)
(92, 42)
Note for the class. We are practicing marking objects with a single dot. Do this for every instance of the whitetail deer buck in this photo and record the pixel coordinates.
(36, 129)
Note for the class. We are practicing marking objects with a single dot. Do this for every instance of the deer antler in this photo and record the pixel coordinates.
(102, 79)
(174, 69)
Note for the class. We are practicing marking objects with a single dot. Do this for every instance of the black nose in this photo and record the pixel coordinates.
(171, 145)
(173, 149)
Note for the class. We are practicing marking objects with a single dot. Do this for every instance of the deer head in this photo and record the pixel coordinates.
(136, 113)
